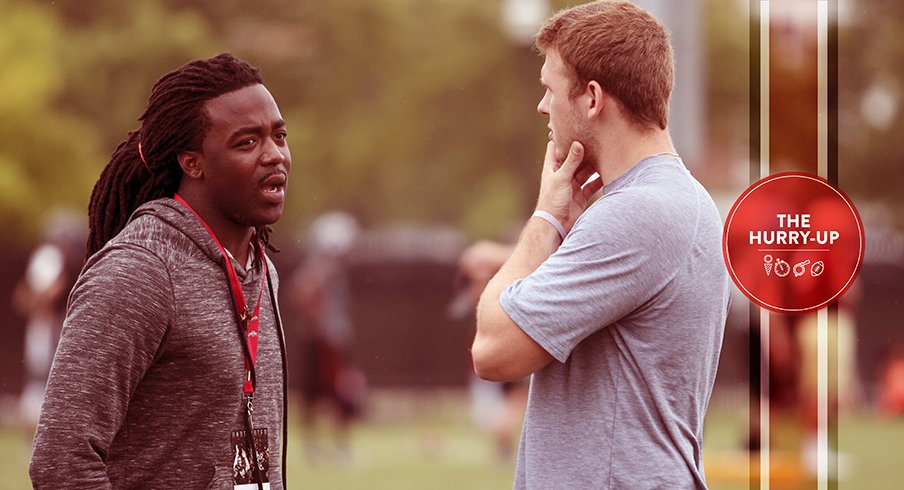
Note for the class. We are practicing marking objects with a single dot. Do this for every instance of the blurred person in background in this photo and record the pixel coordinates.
(618, 311)
(172, 338)
(322, 298)
(498, 407)
(41, 297)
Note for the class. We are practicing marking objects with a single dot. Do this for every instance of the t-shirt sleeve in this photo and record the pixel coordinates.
(617, 256)
(118, 315)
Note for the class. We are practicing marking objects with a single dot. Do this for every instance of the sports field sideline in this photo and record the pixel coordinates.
(420, 441)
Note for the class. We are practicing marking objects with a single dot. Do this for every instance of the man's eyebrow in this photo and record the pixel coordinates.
(247, 130)
(257, 129)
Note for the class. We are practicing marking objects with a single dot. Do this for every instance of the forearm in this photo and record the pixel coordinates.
(66, 458)
(77, 420)
(501, 350)
(537, 242)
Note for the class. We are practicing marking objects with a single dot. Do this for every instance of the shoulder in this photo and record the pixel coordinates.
(659, 209)
(141, 257)
(655, 187)
(153, 240)
(124, 264)
(124, 287)
(655, 197)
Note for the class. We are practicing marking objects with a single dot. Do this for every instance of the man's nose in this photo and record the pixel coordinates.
(541, 107)
(274, 153)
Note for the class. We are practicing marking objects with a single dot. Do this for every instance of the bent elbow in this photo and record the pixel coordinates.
(486, 364)
(487, 372)
(490, 376)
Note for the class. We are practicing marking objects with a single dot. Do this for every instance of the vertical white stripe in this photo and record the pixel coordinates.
(822, 89)
(822, 360)
(764, 399)
(764, 314)
(764, 88)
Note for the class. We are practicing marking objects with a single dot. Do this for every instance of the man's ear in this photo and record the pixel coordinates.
(192, 164)
(597, 98)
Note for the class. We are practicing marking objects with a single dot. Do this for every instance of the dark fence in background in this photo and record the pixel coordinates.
(404, 336)
(402, 282)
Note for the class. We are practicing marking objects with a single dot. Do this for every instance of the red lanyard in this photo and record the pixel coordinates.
(252, 323)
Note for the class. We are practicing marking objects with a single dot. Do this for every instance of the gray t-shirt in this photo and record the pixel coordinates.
(633, 307)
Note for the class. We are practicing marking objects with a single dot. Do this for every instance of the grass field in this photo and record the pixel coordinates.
(428, 442)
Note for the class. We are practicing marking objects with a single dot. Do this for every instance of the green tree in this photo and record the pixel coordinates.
(399, 110)
(115, 51)
(45, 153)
(76, 77)
(415, 110)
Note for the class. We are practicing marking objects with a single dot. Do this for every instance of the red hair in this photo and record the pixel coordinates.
(620, 46)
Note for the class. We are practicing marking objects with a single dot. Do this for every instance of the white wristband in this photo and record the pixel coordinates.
(552, 220)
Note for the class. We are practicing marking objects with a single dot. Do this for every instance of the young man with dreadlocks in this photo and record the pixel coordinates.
(170, 372)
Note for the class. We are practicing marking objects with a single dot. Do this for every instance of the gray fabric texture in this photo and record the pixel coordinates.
(146, 385)
(633, 308)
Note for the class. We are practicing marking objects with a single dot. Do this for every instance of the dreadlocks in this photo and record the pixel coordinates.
(173, 122)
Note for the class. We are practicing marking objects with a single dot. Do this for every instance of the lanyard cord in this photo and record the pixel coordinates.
(250, 382)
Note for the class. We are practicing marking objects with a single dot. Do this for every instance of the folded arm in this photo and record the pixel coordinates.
(502, 351)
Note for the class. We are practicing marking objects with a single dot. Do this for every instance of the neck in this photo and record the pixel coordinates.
(240, 248)
(233, 237)
(617, 151)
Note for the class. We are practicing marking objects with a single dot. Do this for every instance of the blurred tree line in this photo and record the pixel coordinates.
(870, 92)
(398, 110)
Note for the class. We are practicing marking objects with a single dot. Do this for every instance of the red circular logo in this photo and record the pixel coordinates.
(793, 242)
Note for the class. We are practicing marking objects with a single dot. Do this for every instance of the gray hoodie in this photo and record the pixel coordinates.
(146, 385)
